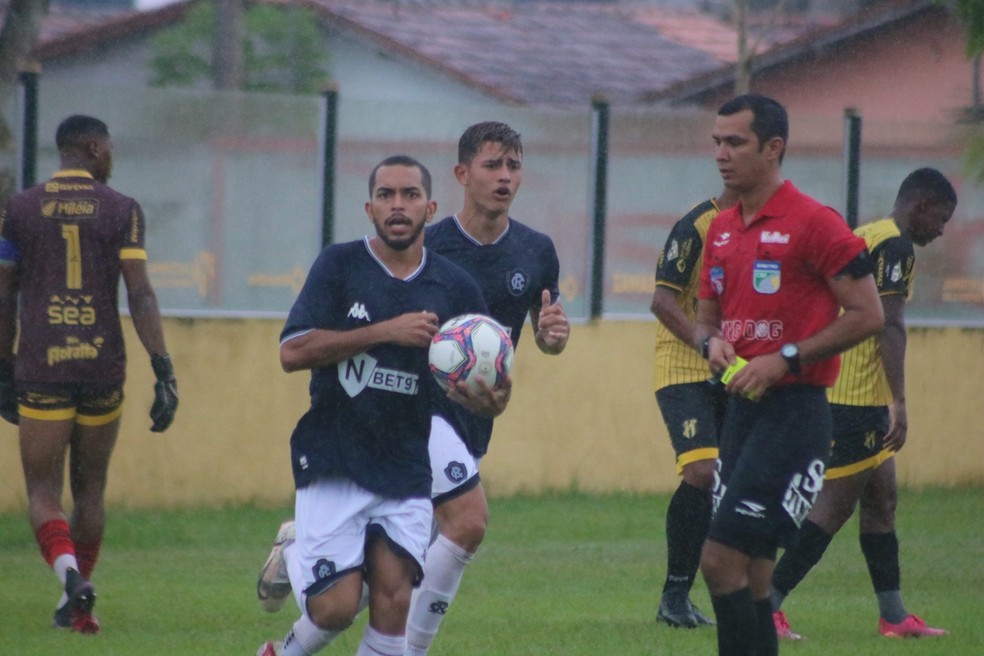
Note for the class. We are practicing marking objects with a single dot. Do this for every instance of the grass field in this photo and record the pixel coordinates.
(567, 574)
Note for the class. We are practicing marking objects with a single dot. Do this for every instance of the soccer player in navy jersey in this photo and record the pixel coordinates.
(517, 270)
(362, 325)
(64, 244)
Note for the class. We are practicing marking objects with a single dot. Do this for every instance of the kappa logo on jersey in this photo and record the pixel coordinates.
(358, 311)
(774, 237)
(722, 239)
(362, 371)
(456, 472)
(766, 277)
(323, 569)
(518, 282)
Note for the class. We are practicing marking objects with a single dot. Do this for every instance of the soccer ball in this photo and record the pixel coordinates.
(470, 348)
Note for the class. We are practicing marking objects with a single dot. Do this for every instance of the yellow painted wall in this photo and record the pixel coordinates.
(585, 419)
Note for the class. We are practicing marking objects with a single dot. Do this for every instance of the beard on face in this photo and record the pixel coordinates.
(398, 244)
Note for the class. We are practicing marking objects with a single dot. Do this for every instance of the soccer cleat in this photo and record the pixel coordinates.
(782, 627)
(910, 627)
(273, 584)
(676, 610)
(76, 613)
(270, 649)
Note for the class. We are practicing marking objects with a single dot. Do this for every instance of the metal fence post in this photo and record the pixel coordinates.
(29, 133)
(328, 164)
(599, 159)
(852, 165)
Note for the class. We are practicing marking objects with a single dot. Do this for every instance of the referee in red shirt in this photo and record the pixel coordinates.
(778, 268)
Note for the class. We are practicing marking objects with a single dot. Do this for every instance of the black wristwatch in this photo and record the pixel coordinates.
(791, 354)
(705, 348)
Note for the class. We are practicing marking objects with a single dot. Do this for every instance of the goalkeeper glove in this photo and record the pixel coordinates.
(165, 393)
(8, 396)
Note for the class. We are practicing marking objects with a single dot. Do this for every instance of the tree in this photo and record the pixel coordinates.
(21, 27)
(282, 49)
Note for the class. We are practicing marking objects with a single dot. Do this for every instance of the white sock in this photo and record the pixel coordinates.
(443, 569)
(306, 638)
(375, 643)
(62, 564)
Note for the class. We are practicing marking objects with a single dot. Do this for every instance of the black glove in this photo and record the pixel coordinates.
(8, 396)
(165, 393)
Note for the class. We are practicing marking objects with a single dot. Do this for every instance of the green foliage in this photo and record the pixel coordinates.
(282, 50)
(972, 13)
(563, 574)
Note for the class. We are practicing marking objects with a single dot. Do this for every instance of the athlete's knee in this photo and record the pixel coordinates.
(332, 613)
(467, 530)
(699, 474)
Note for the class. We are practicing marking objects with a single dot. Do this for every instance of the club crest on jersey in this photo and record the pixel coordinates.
(456, 472)
(358, 311)
(518, 282)
(896, 274)
(717, 280)
(766, 277)
(362, 371)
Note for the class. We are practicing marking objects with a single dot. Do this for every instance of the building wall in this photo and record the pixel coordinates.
(916, 70)
(586, 419)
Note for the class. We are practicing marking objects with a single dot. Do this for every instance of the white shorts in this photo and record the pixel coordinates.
(454, 469)
(334, 517)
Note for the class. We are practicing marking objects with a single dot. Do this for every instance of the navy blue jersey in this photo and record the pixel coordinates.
(512, 274)
(369, 418)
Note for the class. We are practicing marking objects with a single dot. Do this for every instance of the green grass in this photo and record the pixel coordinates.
(566, 574)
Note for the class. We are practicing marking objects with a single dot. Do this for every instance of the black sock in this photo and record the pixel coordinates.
(797, 561)
(737, 623)
(687, 520)
(881, 552)
(768, 641)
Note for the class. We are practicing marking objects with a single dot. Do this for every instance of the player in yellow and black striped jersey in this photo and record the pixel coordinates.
(868, 409)
(691, 407)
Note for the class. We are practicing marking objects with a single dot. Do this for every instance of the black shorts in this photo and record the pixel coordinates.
(771, 468)
(87, 404)
(858, 433)
(693, 413)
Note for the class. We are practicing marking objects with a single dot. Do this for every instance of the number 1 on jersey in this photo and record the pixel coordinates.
(73, 257)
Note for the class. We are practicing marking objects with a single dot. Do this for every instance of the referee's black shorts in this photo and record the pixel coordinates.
(771, 467)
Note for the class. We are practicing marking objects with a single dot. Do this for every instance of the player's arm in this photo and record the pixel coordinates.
(666, 308)
(320, 347)
(146, 317)
(551, 328)
(8, 310)
(891, 348)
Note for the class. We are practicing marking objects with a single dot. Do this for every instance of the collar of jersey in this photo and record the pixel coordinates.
(72, 173)
(464, 232)
(382, 265)
(777, 205)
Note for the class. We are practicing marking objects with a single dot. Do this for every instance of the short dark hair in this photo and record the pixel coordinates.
(927, 183)
(402, 160)
(78, 127)
(769, 117)
(488, 132)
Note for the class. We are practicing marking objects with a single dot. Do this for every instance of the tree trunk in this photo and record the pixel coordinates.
(227, 46)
